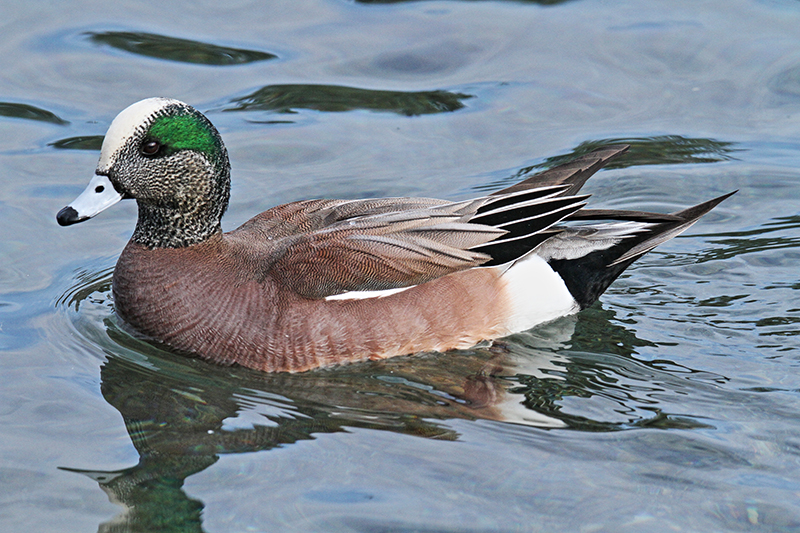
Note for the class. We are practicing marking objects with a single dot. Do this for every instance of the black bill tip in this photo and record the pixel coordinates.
(68, 216)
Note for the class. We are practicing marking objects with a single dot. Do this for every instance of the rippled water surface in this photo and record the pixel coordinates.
(672, 404)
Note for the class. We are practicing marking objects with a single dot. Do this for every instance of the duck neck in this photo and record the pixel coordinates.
(161, 226)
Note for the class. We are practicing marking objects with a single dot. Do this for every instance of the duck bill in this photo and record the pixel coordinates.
(98, 196)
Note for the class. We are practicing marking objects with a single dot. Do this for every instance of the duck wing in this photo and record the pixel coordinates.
(321, 248)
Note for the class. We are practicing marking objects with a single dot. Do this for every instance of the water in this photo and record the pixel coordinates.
(670, 405)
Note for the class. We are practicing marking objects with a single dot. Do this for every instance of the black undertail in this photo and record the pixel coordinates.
(588, 276)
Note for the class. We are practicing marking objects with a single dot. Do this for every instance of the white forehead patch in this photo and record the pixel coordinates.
(124, 126)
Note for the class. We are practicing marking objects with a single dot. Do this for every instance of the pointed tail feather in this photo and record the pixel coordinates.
(573, 174)
(687, 218)
(589, 275)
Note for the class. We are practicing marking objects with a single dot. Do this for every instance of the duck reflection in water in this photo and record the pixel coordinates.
(182, 413)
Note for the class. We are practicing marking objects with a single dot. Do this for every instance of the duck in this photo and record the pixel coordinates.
(322, 282)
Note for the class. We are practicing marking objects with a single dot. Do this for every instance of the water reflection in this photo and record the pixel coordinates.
(775, 319)
(29, 112)
(656, 150)
(579, 373)
(174, 49)
(594, 382)
(334, 98)
(81, 142)
(772, 235)
(182, 413)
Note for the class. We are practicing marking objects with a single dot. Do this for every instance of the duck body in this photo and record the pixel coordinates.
(214, 310)
(321, 282)
(231, 299)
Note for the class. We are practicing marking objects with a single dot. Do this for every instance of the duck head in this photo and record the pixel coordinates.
(169, 158)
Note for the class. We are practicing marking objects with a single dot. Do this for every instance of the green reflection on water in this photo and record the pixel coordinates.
(29, 112)
(335, 98)
(83, 142)
(657, 150)
(174, 49)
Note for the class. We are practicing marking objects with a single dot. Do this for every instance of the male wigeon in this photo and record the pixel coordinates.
(320, 282)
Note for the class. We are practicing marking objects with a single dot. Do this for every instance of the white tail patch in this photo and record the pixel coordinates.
(537, 294)
(360, 295)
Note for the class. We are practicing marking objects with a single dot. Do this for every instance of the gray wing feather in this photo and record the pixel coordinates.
(578, 241)
(381, 244)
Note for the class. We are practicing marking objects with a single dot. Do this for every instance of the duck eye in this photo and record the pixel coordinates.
(150, 148)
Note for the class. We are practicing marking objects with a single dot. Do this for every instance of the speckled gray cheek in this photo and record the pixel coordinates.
(186, 202)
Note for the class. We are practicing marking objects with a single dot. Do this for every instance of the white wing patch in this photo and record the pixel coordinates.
(360, 295)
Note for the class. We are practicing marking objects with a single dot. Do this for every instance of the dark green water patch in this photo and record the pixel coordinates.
(658, 150)
(175, 49)
(336, 98)
(29, 112)
(82, 142)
